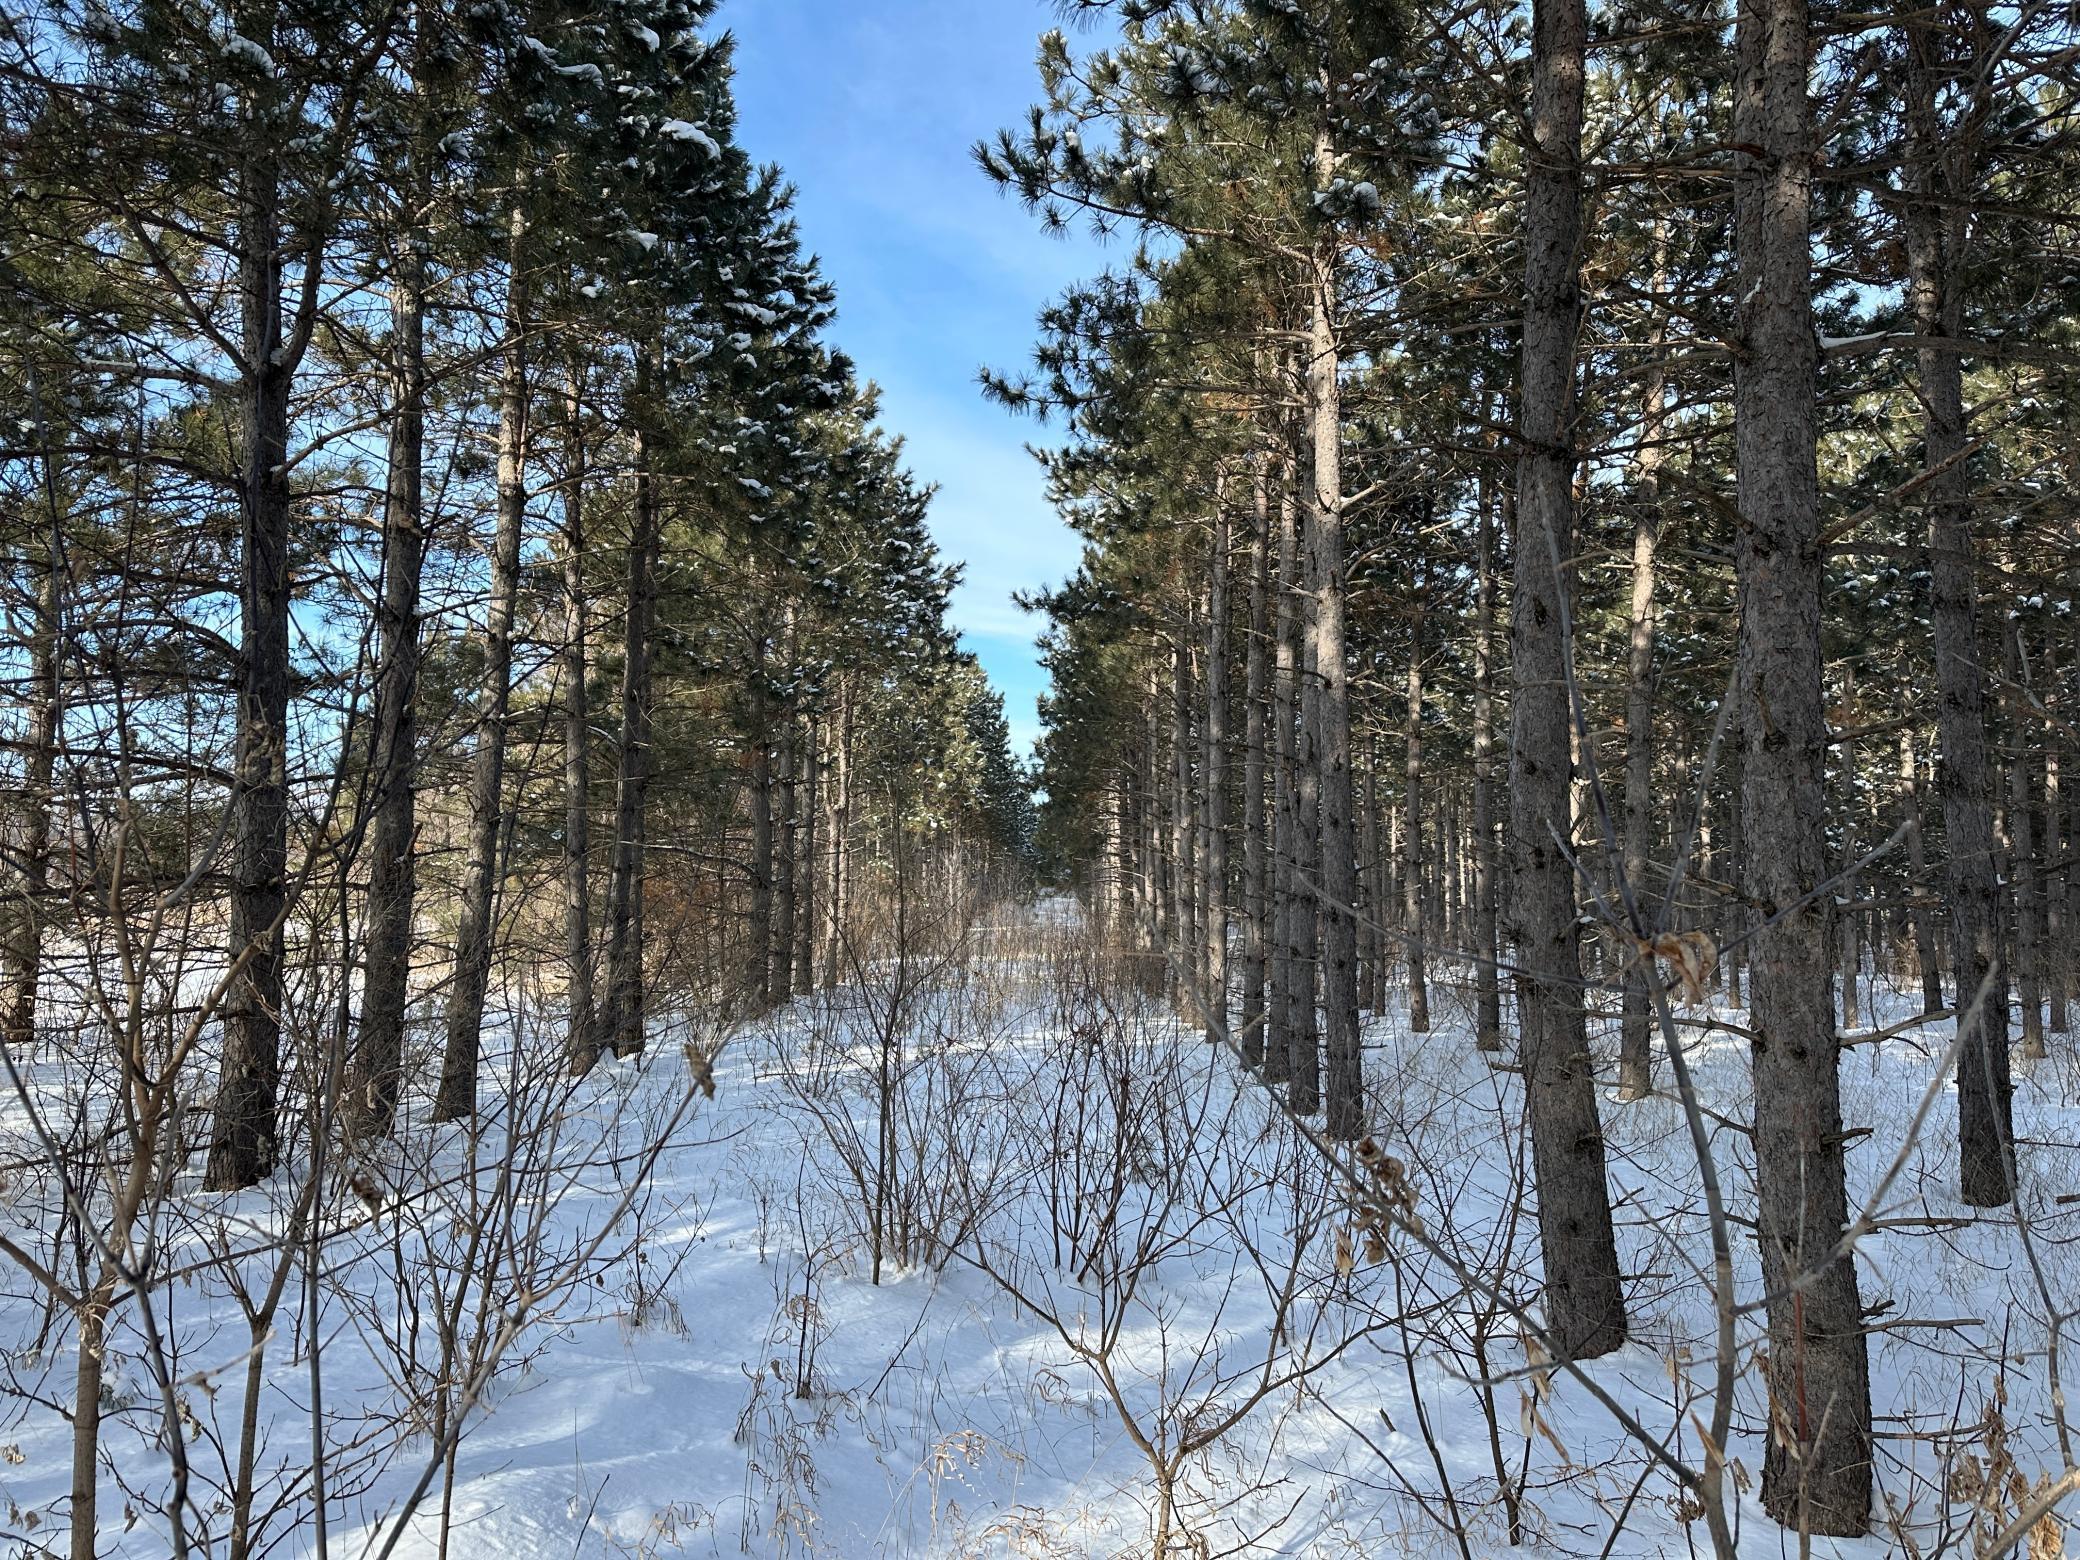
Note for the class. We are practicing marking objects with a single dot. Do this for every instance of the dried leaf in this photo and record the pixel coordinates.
(1690, 956)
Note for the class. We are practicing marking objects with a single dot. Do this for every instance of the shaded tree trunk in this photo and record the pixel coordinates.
(1636, 1024)
(809, 842)
(1817, 1467)
(379, 1051)
(243, 1143)
(1291, 1010)
(758, 970)
(1372, 871)
(1934, 235)
(627, 999)
(1585, 1308)
(2023, 878)
(21, 951)
(786, 839)
(839, 829)
(1182, 944)
(1927, 957)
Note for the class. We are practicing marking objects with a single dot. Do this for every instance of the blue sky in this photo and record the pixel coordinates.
(871, 107)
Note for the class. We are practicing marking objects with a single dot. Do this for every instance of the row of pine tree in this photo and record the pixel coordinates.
(443, 545)
(1575, 514)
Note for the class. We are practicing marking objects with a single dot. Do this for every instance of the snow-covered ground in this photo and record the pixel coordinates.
(1106, 1266)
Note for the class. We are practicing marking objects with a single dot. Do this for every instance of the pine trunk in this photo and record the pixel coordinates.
(581, 1023)
(1412, 864)
(21, 951)
(379, 1050)
(627, 1000)
(1487, 972)
(786, 839)
(758, 971)
(1256, 675)
(487, 811)
(1337, 883)
(1636, 1025)
(1214, 781)
(1585, 1308)
(1181, 946)
(1934, 233)
(2023, 877)
(809, 842)
(1291, 1007)
(243, 1131)
(1817, 1467)
(1928, 960)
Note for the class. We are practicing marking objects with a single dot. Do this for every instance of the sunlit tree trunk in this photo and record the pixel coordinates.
(1213, 779)
(1336, 882)
(1412, 862)
(581, 1023)
(487, 809)
(1487, 975)
(1255, 825)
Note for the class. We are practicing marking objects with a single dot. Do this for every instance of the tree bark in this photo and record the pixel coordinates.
(1412, 864)
(1585, 1308)
(627, 998)
(22, 949)
(1337, 884)
(780, 955)
(2023, 878)
(1256, 676)
(243, 1131)
(758, 970)
(1487, 948)
(1636, 1025)
(379, 1052)
(839, 828)
(1927, 956)
(1213, 780)
(1934, 235)
(1817, 1467)
(487, 811)
(1291, 1010)
(809, 843)
(581, 1023)
(1182, 946)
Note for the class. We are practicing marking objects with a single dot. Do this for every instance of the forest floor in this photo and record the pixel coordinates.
(1099, 1244)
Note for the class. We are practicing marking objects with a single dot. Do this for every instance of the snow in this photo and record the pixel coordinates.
(1848, 343)
(246, 52)
(683, 130)
(1102, 1214)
